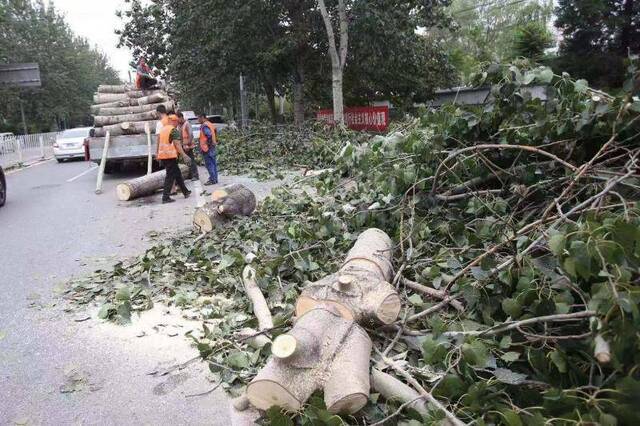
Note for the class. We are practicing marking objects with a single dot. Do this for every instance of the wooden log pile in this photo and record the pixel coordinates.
(327, 348)
(125, 110)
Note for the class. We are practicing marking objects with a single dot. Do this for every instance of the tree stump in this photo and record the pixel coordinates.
(322, 351)
(360, 291)
(232, 200)
(145, 185)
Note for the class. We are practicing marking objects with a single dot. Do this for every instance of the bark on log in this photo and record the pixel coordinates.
(145, 185)
(260, 310)
(331, 353)
(232, 200)
(393, 389)
(361, 289)
(131, 109)
(105, 120)
(126, 102)
(126, 128)
(120, 88)
(104, 98)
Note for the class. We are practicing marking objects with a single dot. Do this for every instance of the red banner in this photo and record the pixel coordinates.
(361, 118)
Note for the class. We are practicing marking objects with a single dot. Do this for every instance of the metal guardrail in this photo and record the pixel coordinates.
(21, 149)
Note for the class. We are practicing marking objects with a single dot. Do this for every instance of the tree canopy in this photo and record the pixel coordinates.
(70, 68)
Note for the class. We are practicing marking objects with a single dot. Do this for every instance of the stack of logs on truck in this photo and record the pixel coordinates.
(125, 113)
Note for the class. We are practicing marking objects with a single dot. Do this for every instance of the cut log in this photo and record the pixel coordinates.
(121, 88)
(126, 128)
(104, 120)
(105, 98)
(126, 102)
(145, 185)
(393, 389)
(361, 289)
(132, 109)
(260, 310)
(331, 353)
(230, 201)
(602, 351)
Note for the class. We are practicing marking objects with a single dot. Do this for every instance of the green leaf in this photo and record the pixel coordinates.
(106, 311)
(509, 377)
(278, 418)
(546, 76)
(511, 307)
(226, 261)
(476, 353)
(557, 243)
(123, 294)
(238, 360)
(511, 418)
(416, 300)
(505, 342)
(581, 86)
(510, 356)
(559, 361)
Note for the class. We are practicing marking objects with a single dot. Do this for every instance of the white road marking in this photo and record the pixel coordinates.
(37, 163)
(82, 174)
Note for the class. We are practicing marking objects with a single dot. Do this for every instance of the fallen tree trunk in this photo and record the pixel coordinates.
(145, 185)
(104, 98)
(126, 128)
(131, 109)
(260, 309)
(393, 389)
(105, 120)
(232, 200)
(120, 88)
(361, 289)
(322, 351)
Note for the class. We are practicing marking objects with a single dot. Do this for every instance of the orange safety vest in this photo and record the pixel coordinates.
(166, 149)
(203, 138)
(186, 136)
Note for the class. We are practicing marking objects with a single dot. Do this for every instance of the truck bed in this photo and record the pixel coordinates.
(122, 148)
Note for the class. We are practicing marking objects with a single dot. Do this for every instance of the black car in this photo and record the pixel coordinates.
(3, 188)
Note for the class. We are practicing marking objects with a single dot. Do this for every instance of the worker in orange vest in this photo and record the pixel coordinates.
(208, 143)
(188, 145)
(169, 146)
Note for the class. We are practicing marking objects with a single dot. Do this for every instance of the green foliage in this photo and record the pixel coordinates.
(531, 40)
(70, 68)
(566, 276)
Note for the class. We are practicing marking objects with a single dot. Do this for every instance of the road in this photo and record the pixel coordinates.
(59, 368)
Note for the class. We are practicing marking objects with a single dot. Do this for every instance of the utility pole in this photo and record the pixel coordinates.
(243, 103)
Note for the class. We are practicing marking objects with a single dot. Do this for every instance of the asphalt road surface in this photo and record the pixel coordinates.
(59, 368)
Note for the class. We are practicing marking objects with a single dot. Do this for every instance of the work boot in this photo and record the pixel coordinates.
(187, 194)
(209, 183)
(168, 200)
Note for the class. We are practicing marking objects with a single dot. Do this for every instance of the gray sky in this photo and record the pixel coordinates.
(96, 21)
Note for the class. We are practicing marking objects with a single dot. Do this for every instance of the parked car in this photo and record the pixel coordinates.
(7, 143)
(70, 144)
(3, 188)
(217, 121)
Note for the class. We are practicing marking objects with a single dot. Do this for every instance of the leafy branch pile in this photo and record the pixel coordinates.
(266, 151)
(517, 238)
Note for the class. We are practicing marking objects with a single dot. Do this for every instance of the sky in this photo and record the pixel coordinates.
(96, 21)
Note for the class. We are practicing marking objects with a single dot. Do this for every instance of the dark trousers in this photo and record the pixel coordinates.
(147, 83)
(174, 175)
(193, 167)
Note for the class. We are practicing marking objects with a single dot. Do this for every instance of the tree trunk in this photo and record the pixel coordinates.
(126, 128)
(230, 201)
(105, 120)
(121, 88)
(338, 58)
(145, 185)
(151, 99)
(361, 289)
(269, 92)
(393, 389)
(322, 351)
(298, 92)
(131, 109)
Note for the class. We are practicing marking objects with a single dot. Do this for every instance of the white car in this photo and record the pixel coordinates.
(70, 144)
(216, 120)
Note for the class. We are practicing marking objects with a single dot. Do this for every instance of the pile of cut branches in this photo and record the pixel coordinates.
(517, 257)
(265, 151)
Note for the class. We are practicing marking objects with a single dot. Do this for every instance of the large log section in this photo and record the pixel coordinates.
(104, 98)
(361, 289)
(125, 128)
(127, 102)
(145, 185)
(232, 200)
(326, 348)
(322, 351)
(106, 120)
(132, 109)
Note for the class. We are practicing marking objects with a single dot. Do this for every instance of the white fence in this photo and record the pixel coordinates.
(15, 150)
